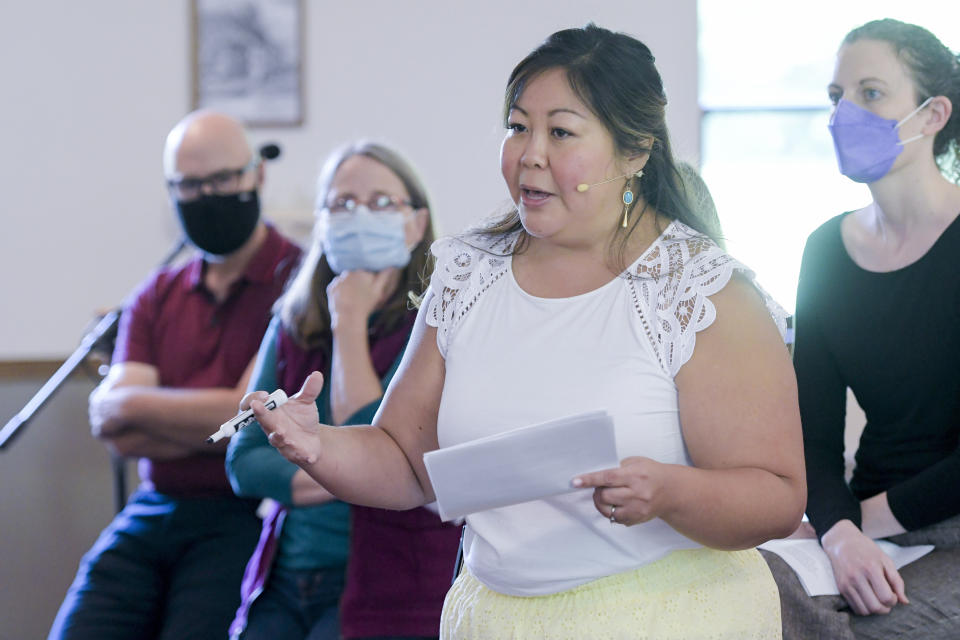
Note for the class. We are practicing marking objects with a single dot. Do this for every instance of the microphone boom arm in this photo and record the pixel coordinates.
(106, 326)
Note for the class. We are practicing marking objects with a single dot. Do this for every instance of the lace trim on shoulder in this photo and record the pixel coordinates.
(466, 266)
(670, 285)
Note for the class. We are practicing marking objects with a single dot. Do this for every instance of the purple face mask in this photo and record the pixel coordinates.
(866, 144)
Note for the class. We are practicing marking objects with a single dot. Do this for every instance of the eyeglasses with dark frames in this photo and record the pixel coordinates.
(221, 183)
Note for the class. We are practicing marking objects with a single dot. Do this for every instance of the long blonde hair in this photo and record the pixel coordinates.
(303, 307)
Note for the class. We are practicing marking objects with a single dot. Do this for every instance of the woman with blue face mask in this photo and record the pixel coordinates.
(878, 311)
(347, 313)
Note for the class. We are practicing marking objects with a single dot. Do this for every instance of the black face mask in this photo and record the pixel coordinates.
(219, 225)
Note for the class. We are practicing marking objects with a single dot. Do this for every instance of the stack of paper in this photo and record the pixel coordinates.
(522, 464)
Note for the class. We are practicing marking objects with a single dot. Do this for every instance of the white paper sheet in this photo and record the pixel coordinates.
(522, 464)
(812, 565)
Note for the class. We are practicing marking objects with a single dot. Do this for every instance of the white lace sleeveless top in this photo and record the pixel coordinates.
(670, 284)
(513, 359)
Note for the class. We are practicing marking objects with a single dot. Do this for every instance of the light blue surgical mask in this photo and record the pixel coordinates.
(365, 240)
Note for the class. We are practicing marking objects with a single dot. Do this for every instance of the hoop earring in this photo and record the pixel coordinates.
(627, 198)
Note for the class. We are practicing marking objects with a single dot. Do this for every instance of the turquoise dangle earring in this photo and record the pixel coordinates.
(627, 198)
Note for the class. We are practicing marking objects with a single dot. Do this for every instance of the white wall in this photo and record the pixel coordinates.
(91, 88)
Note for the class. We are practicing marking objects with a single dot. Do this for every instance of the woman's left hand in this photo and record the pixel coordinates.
(630, 494)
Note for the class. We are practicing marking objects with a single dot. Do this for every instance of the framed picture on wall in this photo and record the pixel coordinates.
(247, 59)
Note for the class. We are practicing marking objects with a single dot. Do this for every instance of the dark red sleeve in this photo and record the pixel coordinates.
(135, 333)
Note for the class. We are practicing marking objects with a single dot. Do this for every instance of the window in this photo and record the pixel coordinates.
(767, 155)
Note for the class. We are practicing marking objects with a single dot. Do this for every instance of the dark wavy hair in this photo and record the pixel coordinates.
(935, 71)
(303, 307)
(614, 75)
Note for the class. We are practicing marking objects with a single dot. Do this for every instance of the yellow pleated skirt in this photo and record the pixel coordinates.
(695, 594)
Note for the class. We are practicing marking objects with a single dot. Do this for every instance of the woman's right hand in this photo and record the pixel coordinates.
(292, 428)
(353, 295)
(865, 575)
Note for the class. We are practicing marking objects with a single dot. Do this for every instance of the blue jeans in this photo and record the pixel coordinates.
(164, 568)
(297, 604)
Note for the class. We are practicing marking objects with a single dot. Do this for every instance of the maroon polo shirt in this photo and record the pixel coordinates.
(174, 324)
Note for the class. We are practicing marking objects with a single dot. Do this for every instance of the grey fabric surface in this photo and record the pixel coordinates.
(932, 586)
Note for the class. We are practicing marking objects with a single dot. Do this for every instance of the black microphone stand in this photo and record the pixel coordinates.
(101, 335)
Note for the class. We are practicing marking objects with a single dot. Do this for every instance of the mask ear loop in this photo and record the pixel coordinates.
(910, 115)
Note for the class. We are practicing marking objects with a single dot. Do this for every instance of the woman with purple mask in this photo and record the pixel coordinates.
(878, 308)
(347, 313)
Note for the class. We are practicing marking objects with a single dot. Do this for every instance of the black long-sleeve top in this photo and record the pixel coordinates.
(894, 339)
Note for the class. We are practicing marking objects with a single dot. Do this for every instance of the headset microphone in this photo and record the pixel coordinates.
(583, 186)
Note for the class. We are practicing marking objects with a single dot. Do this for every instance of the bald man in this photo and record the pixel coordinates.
(170, 564)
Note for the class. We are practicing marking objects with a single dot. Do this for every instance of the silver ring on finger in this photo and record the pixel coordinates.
(613, 514)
